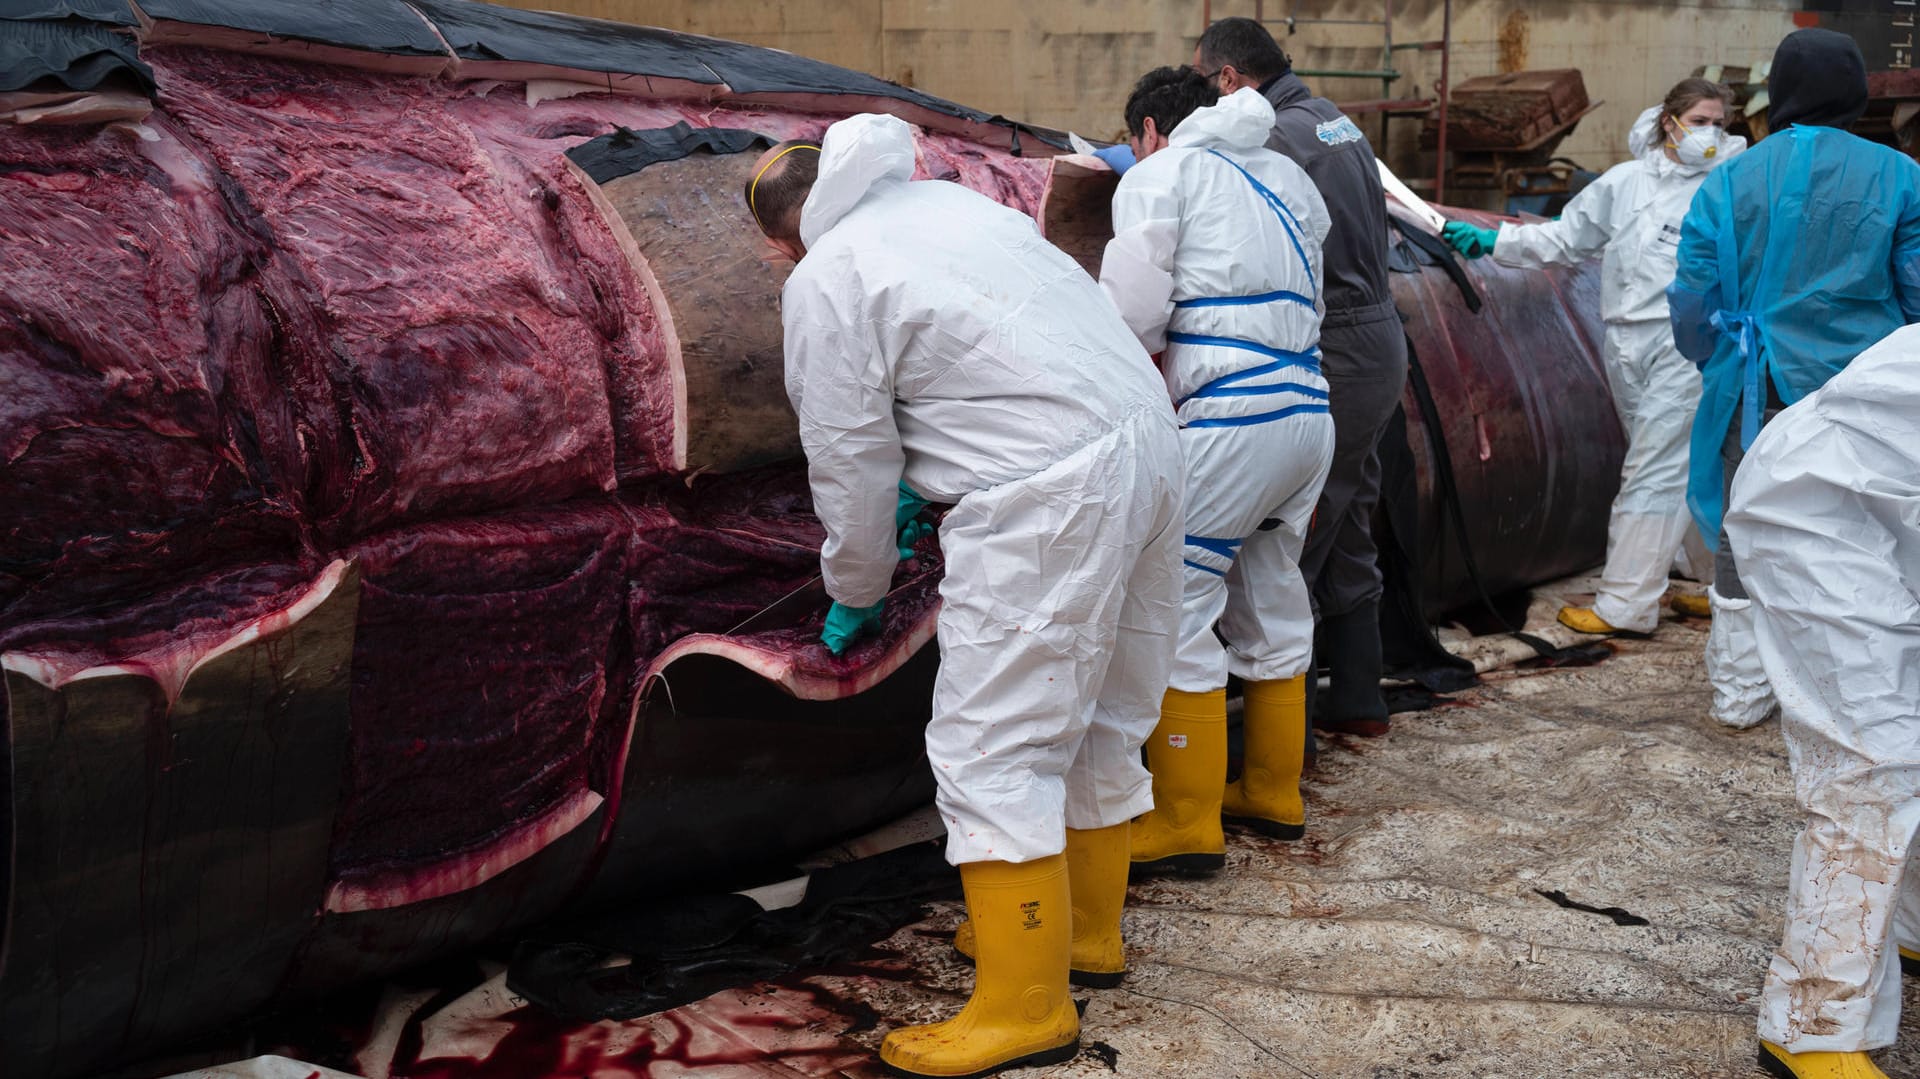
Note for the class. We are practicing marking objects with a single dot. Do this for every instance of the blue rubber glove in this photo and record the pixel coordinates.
(910, 530)
(1119, 157)
(1470, 240)
(847, 624)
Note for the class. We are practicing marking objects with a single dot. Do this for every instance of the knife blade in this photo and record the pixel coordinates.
(786, 610)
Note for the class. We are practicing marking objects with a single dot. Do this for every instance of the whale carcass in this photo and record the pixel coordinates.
(391, 443)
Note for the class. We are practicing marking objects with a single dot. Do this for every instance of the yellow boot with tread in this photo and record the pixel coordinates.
(1583, 620)
(1266, 797)
(1691, 605)
(1020, 1013)
(1188, 758)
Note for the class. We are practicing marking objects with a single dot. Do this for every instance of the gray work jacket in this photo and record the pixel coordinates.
(1339, 159)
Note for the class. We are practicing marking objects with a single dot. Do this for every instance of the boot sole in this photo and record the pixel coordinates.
(1090, 979)
(1058, 1055)
(1085, 979)
(1272, 829)
(1773, 1065)
(1184, 865)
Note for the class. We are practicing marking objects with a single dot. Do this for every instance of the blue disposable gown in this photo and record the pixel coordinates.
(1794, 257)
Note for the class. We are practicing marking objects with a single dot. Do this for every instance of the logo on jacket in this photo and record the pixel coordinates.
(1336, 132)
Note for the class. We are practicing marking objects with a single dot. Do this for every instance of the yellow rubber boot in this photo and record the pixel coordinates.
(1693, 606)
(1583, 620)
(1266, 797)
(1188, 758)
(1097, 861)
(1779, 1062)
(1020, 1013)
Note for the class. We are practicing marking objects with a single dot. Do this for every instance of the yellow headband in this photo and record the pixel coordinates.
(755, 185)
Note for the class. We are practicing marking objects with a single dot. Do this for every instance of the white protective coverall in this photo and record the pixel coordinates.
(1825, 526)
(1630, 217)
(932, 334)
(1216, 258)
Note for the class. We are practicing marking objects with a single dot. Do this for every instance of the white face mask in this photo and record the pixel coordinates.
(1700, 145)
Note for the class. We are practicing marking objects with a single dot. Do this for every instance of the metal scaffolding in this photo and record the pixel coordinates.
(1386, 105)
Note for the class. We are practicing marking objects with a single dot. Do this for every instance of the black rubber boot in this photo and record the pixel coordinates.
(1310, 760)
(1350, 646)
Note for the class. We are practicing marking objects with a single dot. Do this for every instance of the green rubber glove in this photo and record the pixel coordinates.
(847, 624)
(1471, 241)
(910, 530)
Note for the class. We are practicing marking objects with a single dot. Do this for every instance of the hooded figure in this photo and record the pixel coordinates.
(937, 347)
(1795, 256)
(1630, 218)
(1825, 520)
(1818, 79)
(1216, 258)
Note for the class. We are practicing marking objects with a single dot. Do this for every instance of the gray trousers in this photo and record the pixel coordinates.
(1365, 364)
(1726, 575)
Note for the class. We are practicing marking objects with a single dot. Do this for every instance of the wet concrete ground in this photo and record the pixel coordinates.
(1409, 936)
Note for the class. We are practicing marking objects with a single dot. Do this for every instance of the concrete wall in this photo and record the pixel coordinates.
(1069, 63)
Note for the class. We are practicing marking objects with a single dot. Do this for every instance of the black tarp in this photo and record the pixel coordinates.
(686, 948)
(479, 31)
(488, 32)
(69, 53)
(474, 31)
(626, 151)
(387, 26)
(111, 12)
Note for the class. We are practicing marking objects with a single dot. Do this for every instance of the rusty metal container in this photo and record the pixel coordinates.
(1513, 112)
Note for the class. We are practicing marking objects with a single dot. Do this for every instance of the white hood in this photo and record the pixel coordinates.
(1647, 141)
(856, 155)
(1646, 134)
(1240, 121)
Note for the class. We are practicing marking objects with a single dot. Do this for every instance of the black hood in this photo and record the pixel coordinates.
(1818, 78)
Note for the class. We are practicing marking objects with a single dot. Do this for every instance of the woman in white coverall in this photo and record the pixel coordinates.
(1825, 525)
(1216, 259)
(933, 337)
(1631, 217)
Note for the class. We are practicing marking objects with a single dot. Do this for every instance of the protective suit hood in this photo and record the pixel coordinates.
(1646, 135)
(1647, 142)
(857, 155)
(1240, 121)
(1818, 79)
